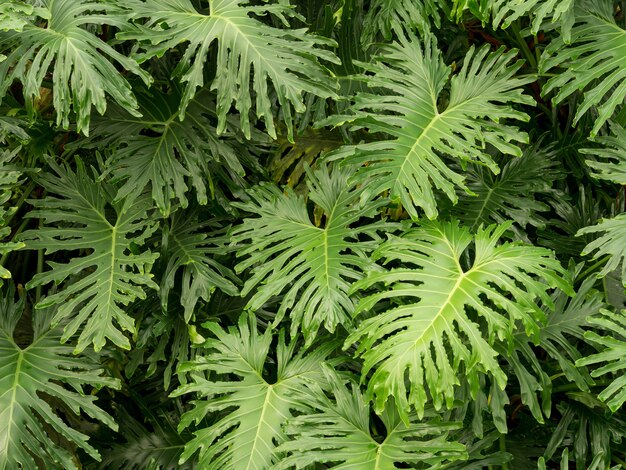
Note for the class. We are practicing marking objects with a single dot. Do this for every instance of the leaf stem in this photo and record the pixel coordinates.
(20, 201)
(502, 448)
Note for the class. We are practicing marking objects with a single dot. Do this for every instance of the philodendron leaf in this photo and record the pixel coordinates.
(229, 379)
(417, 129)
(450, 313)
(10, 179)
(79, 214)
(612, 352)
(313, 265)
(340, 431)
(82, 74)
(30, 428)
(250, 54)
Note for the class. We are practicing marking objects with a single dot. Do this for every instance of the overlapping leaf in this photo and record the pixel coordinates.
(610, 159)
(79, 214)
(565, 325)
(249, 53)
(159, 151)
(427, 132)
(312, 265)
(594, 62)
(612, 352)
(10, 178)
(448, 315)
(611, 243)
(191, 248)
(82, 74)
(254, 408)
(513, 194)
(340, 432)
(29, 377)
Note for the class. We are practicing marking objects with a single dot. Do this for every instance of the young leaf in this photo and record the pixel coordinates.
(254, 408)
(340, 431)
(30, 428)
(82, 75)
(82, 216)
(315, 265)
(594, 62)
(423, 127)
(191, 247)
(449, 314)
(249, 52)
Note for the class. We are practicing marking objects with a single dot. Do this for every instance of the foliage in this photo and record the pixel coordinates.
(258, 234)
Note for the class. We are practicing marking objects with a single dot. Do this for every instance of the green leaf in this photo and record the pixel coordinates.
(9, 180)
(449, 314)
(154, 445)
(612, 351)
(82, 75)
(587, 431)
(514, 194)
(340, 431)
(165, 154)
(249, 53)
(611, 243)
(610, 162)
(191, 248)
(314, 265)
(252, 409)
(566, 325)
(428, 132)
(505, 12)
(14, 15)
(593, 62)
(386, 16)
(31, 378)
(82, 216)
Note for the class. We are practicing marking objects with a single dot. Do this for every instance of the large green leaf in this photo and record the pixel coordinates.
(80, 215)
(594, 62)
(427, 131)
(31, 378)
(190, 249)
(449, 314)
(249, 53)
(612, 351)
(55, 37)
(165, 154)
(313, 264)
(341, 431)
(252, 409)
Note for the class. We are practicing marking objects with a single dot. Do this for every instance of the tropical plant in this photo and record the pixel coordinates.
(276, 234)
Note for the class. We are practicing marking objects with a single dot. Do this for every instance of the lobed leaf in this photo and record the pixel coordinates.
(32, 375)
(425, 132)
(250, 53)
(81, 215)
(448, 315)
(82, 74)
